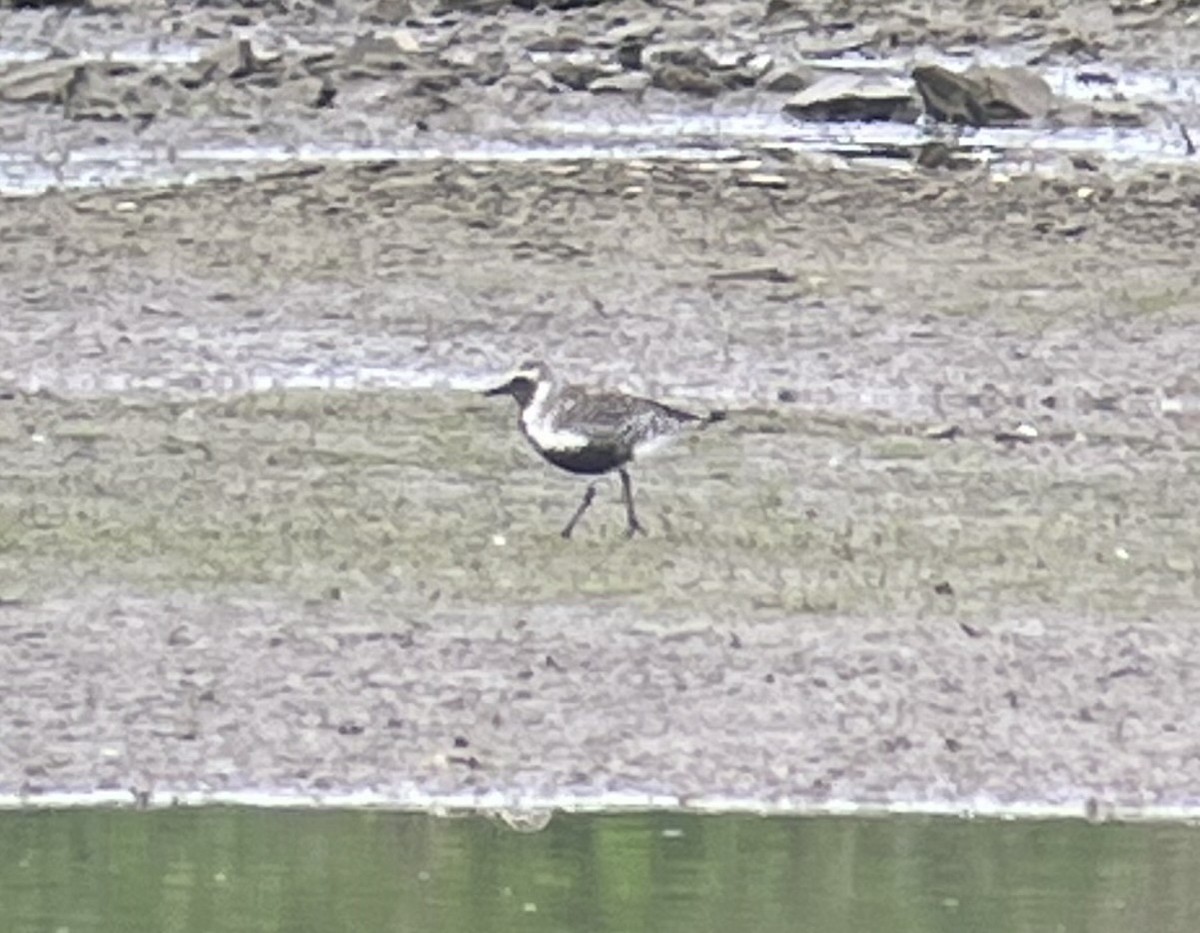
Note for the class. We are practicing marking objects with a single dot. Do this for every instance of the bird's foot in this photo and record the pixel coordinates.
(634, 528)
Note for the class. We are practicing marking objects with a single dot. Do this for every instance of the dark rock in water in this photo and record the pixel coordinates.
(983, 96)
(845, 97)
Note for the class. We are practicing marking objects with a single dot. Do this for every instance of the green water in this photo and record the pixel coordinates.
(216, 870)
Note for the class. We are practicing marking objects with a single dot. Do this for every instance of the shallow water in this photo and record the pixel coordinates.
(602, 134)
(241, 869)
(51, 151)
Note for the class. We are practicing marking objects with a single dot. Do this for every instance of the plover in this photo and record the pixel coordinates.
(593, 432)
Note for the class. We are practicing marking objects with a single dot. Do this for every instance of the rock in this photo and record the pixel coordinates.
(1099, 113)
(486, 66)
(943, 432)
(102, 91)
(36, 82)
(754, 67)
(629, 54)
(405, 41)
(754, 274)
(435, 82)
(580, 74)
(557, 42)
(787, 80)
(762, 180)
(326, 95)
(644, 31)
(938, 153)
(1021, 434)
(386, 11)
(235, 80)
(1095, 75)
(306, 91)
(443, 7)
(557, 4)
(686, 81)
(789, 11)
(237, 59)
(540, 80)
(373, 55)
(983, 96)
(630, 41)
(855, 97)
(1118, 113)
(629, 82)
(682, 68)
(948, 95)
(689, 69)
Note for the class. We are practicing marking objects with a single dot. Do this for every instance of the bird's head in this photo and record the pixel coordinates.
(523, 382)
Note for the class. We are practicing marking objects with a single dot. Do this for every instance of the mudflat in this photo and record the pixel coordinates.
(942, 550)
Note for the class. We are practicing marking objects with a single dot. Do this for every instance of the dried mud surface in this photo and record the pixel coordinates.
(944, 548)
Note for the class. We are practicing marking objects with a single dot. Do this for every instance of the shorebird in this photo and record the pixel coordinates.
(593, 432)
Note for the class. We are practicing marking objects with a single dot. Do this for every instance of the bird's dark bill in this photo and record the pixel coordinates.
(505, 389)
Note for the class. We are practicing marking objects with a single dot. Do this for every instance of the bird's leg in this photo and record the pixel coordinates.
(583, 507)
(634, 526)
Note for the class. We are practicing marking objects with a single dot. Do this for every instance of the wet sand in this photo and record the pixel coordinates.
(319, 595)
(208, 695)
(943, 551)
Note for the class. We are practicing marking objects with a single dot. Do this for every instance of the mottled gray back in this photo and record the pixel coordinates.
(613, 418)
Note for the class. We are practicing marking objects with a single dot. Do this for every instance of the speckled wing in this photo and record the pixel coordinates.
(619, 420)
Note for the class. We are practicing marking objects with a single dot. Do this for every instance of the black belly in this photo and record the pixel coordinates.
(594, 459)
